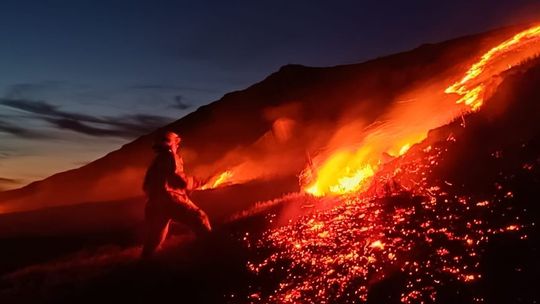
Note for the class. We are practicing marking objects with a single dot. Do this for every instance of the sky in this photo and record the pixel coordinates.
(78, 79)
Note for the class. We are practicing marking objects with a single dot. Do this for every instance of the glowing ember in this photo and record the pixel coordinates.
(377, 244)
(430, 236)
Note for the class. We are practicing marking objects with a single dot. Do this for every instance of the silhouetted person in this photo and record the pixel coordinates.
(166, 187)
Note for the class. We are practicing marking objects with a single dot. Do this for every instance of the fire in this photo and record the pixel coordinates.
(433, 237)
(471, 92)
(404, 149)
(347, 170)
(218, 180)
(351, 182)
(335, 255)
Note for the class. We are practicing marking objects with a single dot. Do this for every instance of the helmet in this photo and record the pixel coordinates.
(167, 140)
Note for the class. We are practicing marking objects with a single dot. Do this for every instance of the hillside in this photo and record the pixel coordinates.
(265, 130)
(454, 220)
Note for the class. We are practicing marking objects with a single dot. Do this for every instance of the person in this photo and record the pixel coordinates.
(166, 187)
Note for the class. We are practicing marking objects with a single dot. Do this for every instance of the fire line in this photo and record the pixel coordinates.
(351, 171)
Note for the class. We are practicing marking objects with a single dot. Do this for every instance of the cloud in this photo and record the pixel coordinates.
(44, 108)
(4, 154)
(138, 122)
(9, 128)
(6, 183)
(5, 180)
(37, 107)
(133, 125)
(125, 126)
(160, 87)
(153, 87)
(78, 126)
(29, 90)
(180, 104)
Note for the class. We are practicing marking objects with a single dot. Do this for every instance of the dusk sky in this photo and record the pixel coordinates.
(81, 78)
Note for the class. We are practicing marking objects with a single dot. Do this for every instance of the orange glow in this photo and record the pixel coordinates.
(512, 228)
(377, 244)
(218, 180)
(404, 149)
(340, 252)
(347, 170)
(470, 90)
(350, 171)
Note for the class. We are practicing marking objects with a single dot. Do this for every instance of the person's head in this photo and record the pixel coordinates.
(168, 141)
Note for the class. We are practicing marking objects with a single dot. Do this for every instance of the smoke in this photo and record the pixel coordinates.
(179, 103)
(282, 150)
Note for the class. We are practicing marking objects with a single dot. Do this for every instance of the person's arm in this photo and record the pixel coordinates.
(174, 179)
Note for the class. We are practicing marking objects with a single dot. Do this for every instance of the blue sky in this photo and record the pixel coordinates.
(80, 78)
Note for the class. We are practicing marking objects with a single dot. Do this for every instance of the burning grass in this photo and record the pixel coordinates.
(448, 222)
(348, 170)
(423, 240)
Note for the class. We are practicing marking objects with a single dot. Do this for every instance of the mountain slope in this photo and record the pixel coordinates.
(495, 152)
(266, 128)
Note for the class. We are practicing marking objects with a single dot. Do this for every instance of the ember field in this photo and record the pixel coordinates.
(451, 218)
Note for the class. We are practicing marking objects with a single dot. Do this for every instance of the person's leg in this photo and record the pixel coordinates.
(192, 216)
(157, 226)
(199, 222)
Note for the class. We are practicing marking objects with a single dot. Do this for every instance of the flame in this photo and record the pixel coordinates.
(471, 93)
(345, 171)
(348, 171)
(349, 180)
(434, 237)
(404, 149)
(218, 180)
